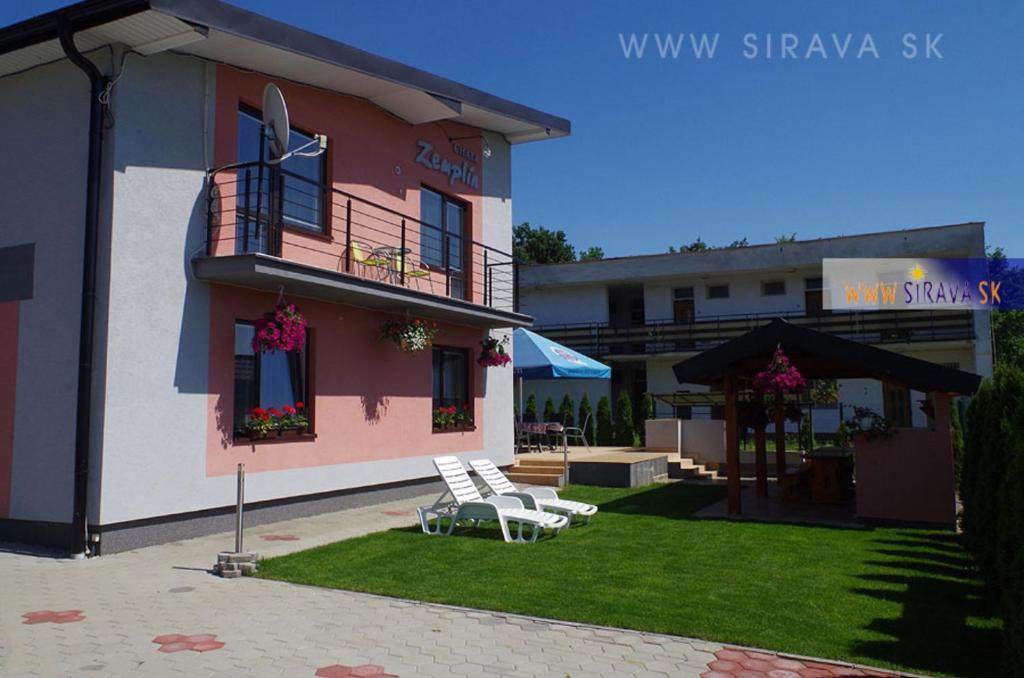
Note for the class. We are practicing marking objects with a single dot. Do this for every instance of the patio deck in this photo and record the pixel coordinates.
(772, 509)
(603, 466)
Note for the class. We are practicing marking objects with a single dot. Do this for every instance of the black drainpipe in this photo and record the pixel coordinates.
(97, 83)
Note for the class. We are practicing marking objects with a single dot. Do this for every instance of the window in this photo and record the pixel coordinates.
(682, 293)
(300, 180)
(814, 305)
(813, 284)
(268, 379)
(451, 377)
(442, 234)
(718, 291)
(896, 404)
(773, 288)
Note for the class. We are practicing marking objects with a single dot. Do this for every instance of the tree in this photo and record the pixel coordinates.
(697, 245)
(541, 246)
(780, 239)
(625, 431)
(1007, 326)
(586, 419)
(530, 413)
(956, 431)
(565, 411)
(592, 254)
(605, 434)
(648, 413)
(549, 410)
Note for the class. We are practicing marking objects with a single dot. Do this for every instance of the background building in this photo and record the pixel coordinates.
(642, 314)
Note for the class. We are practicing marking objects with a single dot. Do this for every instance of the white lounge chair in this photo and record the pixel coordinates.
(541, 498)
(470, 505)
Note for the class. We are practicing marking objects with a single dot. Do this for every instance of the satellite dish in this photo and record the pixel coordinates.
(275, 119)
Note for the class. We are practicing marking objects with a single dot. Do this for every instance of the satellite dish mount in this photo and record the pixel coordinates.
(278, 129)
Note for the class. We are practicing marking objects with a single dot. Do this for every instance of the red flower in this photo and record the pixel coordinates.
(275, 412)
(258, 411)
(289, 409)
(300, 405)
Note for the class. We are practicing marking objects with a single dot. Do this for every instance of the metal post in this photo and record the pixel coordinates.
(209, 213)
(515, 287)
(402, 258)
(245, 218)
(238, 508)
(259, 186)
(487, 282)
(348, 236)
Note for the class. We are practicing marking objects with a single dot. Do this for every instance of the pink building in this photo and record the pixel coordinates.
(128, 375)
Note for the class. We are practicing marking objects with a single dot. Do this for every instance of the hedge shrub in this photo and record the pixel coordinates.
(625, 431)
(565, 411)
(530, 412)
(587, 414)
(550, 413)
(605, 434)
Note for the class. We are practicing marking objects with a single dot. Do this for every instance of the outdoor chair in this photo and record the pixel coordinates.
(418, 271)
(363, 255)
(578, 433)
(469, 505)
(524, 437)
(540, 498)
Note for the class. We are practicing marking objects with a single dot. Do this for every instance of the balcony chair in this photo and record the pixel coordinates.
(363, 255)
(539, 498)
(469, 505)
(578, 433)
(419, 271)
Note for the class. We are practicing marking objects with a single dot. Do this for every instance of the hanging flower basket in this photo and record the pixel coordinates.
(492, 352)
(780, 377)
(410, 335)
(282, 330)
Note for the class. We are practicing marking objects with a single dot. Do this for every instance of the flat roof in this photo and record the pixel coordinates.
(220, 32)
(964, 240)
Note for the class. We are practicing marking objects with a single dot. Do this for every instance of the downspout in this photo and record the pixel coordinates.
(83, 415)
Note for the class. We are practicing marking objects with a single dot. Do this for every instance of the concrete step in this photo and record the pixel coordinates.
(528, 461)
(536, 468)
(552, 479)
(688, 469)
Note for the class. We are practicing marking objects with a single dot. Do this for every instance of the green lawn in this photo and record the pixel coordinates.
(899, 598)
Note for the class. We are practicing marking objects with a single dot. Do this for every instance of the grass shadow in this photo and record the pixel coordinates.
(672, 500)
(946, 624)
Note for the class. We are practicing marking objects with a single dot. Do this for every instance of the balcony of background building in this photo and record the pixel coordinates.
(268, 227)
(667, 336)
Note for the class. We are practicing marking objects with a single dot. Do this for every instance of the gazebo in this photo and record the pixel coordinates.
(926, 496)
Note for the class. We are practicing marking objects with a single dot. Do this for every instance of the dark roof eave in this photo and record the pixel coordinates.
(850, 357)
(251, 26)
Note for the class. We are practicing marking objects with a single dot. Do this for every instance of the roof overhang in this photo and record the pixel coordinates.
(819, 355)
(214, 30)
(271, 274)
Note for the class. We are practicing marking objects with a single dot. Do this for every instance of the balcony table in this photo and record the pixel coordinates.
(391, 254)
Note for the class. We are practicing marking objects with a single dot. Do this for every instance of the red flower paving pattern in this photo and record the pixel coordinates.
(52, 616)
(278, 537)
(361, 671)
(177, 642)
(733, 662)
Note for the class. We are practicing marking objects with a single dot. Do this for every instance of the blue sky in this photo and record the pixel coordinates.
(666, 150)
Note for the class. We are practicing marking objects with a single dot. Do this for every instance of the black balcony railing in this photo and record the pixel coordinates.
(257, 207)
(873, 327)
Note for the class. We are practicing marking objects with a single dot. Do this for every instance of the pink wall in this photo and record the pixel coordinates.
(370, 401)
(909, 477)
(8, 384)
(366, 145)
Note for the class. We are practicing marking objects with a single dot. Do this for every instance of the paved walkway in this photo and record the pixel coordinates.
(158, 612)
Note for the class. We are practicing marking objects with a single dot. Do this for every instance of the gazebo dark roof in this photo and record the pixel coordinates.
(820, 356)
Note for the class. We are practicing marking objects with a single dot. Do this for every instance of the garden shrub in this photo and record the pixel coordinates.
(604, 434)
(956, 432)
(565, 411)
(648, 413)
(550, 414)
(585, 414)
(625, 432)
(530, 413)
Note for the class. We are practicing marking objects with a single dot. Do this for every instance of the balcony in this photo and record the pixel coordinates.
(268, 227)
(667, 337)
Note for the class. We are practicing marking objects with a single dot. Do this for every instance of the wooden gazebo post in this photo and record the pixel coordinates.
(780, 437)
(761, 460)
(732, 446)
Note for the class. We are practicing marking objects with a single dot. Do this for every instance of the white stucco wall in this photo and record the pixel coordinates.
(42, 190)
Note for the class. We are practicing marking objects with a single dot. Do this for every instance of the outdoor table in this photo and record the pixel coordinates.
(825, 463)
(547, 428)
(391, 254)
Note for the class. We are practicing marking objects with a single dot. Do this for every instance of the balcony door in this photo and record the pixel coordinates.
(625, 312)
(814, 306)
(443, 238)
